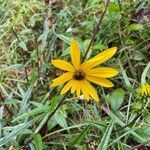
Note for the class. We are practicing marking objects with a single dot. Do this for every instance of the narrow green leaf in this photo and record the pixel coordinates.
(105, 139)
(125, 77)
(52, 123)
(10, 136)
(38, 142)
(138, 56)
(135, 27)
(81, 136)
(61, 120)
(54, 102)
(98, 124)
(22, 44)
(45, 118)
(25, 99)
(145, 73)
(99, 46)
(35, 111)
(64, 38)
(11, 67)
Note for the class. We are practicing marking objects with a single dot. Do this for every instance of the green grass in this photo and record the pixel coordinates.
(34, 32)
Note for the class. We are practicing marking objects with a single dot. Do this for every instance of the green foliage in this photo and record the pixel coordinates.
(38, 142)
(32, 33)
(106, 137)
(116, 99)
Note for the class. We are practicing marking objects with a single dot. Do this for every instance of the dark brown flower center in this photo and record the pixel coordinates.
(79, 75)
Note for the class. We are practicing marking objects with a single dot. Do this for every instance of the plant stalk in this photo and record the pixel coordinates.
(97, 27)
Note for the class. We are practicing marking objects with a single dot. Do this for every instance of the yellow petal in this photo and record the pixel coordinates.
(100, 58)
(67, 87)
(103, 72)
(62, 79)
(91, 90)
(100, 81)
(144, 90)
(75, 53)
(78, 88)
(85, 91)
(61, 64)
(74, 85)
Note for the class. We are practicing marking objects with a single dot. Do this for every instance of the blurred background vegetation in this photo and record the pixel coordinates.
(32, 32)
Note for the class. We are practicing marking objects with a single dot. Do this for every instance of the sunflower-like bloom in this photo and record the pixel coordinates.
(79, 75)
(144, 89)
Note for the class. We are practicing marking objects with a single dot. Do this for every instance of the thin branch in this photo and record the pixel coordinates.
(97, 27)
(140, 145)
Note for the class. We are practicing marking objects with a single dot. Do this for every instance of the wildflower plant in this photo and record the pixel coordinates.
(79, 74)
(142, 100)
(32, 116)
(144, 90)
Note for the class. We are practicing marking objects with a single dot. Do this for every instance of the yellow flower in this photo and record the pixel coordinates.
(144, 89)
(79, 75)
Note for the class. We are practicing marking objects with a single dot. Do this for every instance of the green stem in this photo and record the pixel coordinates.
(59, 105)
(97, 28)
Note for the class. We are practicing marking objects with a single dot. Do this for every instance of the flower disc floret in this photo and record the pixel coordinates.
(79, 75)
